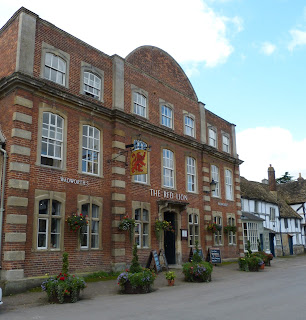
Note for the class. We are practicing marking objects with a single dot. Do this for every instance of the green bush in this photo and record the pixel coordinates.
(197, 271)
(250, 263)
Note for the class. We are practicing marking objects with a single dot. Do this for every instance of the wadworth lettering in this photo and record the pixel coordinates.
(168, 195)
(74, 181)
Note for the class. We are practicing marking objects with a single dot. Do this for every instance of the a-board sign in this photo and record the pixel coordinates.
(164, 262)
(214, 255)
(154, 256)
(192, 252)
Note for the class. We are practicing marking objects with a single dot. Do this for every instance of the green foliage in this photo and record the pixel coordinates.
(197, 271)
(143, 279)
(170, 275)
(196, 256)
(65, 267)
(258, 245)
(284, 178)
(250, 263)
(162, 225)
(63, 285)
(266, 257)
(127, 224)
(249, 248)
(76, 222)
(228, 229)
(101, 276)
(135, 267)
(214, 227)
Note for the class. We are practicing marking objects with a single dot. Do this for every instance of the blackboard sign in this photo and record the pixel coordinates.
(165, 262)
(153, 256)
(214, 255)
(192, 252)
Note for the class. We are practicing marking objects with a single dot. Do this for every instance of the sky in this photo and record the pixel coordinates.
(246, 60)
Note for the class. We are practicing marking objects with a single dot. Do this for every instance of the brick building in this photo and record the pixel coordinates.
(67, 113)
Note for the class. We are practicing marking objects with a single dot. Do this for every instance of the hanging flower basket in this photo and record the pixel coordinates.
(76, 222)
(228, 229)
(213, 227)
(162, 225)
(127, 224)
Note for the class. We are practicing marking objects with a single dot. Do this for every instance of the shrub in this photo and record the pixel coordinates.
(197, 271)
(170, 275)
(250, 263)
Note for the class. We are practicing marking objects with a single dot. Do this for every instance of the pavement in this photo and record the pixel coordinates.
(221, 273)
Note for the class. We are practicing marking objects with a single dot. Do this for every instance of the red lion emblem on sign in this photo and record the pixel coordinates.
(137, 161)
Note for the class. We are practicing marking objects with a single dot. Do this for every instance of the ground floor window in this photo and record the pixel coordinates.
(193, 221)
(218, 234)
(278, 239)
(250, 233)
(231, 234)
(141, 214)
(89, 235)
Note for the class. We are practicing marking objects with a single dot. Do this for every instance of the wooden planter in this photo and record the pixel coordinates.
(67, 298)
(134, 290)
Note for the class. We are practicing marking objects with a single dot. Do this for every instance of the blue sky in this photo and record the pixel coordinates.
(246, 60)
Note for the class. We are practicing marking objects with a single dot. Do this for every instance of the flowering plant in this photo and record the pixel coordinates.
(228, 229)
(127, 224)
(197, 271)
(63, 286)
(162, 225)
(214, 227)
(75, 222)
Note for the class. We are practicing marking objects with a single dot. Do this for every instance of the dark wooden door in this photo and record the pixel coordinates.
(271, 238)
(290, 244)
(170, 239)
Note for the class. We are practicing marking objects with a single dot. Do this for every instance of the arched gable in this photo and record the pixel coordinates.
(160, 65)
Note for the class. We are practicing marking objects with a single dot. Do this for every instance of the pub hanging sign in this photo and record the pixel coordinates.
(139, 162)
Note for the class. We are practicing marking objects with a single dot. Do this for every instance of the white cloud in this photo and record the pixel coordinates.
(267, 48)
(190, 31)
(298, 39)
(260, 147)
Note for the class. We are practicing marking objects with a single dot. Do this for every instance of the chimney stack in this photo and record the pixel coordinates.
(271, 177)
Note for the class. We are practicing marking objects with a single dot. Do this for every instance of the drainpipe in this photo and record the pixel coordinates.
(5, 156)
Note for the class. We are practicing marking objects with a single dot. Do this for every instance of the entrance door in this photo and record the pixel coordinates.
(271, 238)
(290, 245)
(170, 239)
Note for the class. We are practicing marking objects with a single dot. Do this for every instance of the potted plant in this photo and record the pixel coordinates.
(63, 287)
(214, 227)
(76, 222)
(170, 276)
(137, 279)
(228, 229)
(162, 225)
(127, 224)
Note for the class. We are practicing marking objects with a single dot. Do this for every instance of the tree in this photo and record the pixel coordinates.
(284, 179)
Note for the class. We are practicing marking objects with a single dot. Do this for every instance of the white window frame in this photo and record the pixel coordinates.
(189, 126)
(141, 178)
(215, 177)
(225, 143)
(141, 226)
(51, 140)
(218, 239)
(139, 104)
(88, 229)
(212, 137)
(250, 233)
(92, 87)
(194, 229)
(278, 241)
(228, 184)
(191, 174)
(167, 116)
(168, 168)
(231, 221)
(272, 214)
(92, 136)
(57, 65)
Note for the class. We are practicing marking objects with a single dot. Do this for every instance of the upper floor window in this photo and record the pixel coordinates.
(55, 68)
(191, 174)
(92, 85)
(166, 116)
(140, 104)
(225, 143)
(168, 168)
(52, 140)
(141, 178)
(193, 221)
(286, 223)
(189, 126)
(141, 216)
(215, 177)
(90, 150)
(212, 137)
(228, 185)
(49, 224)
(272, 214)
(89, 235)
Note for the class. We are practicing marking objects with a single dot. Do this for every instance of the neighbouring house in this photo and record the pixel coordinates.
(262, 204)
(294, 193)
(78, 124)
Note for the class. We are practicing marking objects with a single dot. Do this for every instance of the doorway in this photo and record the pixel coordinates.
(271, 238)
(290, 245)
(169, 237)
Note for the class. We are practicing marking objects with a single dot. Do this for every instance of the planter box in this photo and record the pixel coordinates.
(134, 290)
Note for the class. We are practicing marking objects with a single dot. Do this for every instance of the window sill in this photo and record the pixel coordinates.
(50, 167)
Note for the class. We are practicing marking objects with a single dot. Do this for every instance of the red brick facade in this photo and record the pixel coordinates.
(26, 94)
